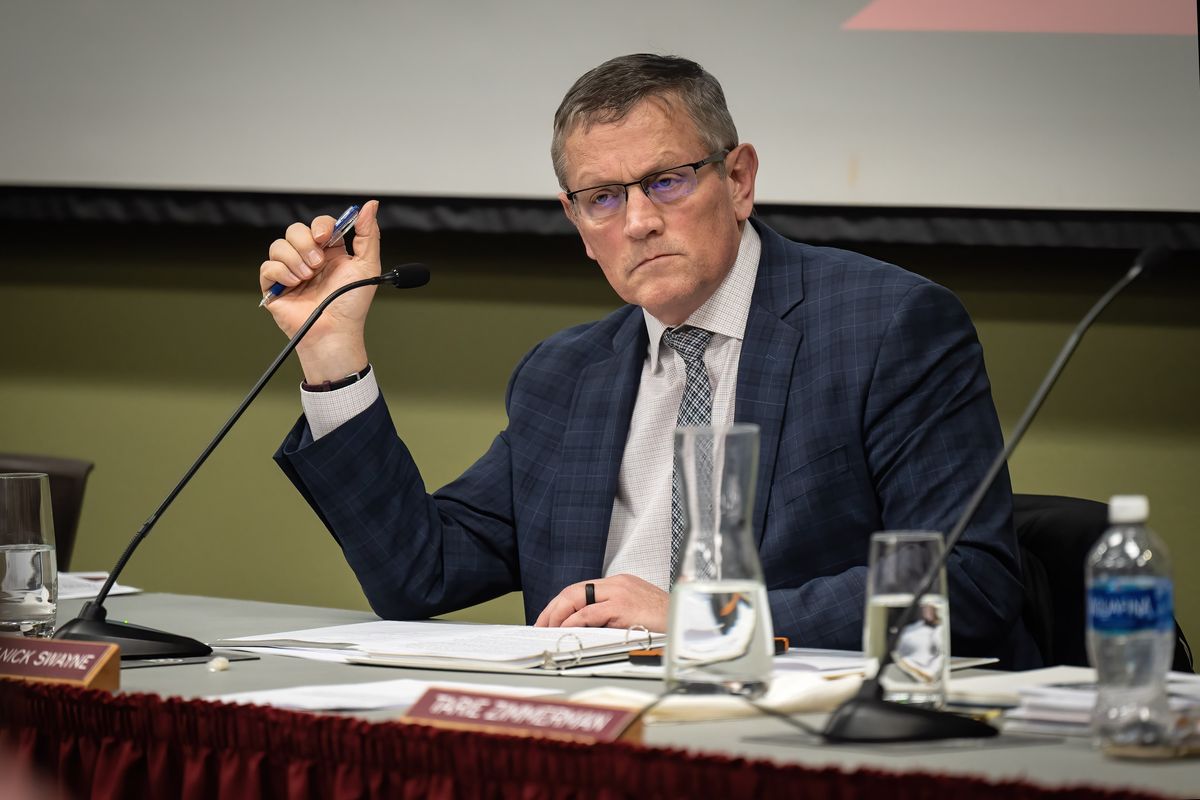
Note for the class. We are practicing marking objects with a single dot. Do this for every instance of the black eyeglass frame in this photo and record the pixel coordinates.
(720, 155)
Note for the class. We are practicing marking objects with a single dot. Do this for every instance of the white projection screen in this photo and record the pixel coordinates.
(1089, 105)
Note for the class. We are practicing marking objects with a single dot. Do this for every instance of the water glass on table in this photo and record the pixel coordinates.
(920, 667)
(28, 574)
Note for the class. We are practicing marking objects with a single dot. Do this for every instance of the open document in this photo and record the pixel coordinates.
(452, 645)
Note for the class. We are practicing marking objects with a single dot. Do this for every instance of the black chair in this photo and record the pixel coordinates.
(1056, 534)
(68, 478)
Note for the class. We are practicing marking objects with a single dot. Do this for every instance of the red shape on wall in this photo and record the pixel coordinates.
(1119, 17)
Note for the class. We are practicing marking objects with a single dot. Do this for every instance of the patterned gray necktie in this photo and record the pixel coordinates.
(694, 409)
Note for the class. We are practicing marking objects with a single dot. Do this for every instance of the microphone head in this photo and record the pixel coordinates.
(409, 276)
(1153, 258)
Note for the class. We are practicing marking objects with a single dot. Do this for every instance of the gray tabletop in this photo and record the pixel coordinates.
(1043, 760)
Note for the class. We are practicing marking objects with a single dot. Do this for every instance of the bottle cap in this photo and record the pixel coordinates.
(1128, 508)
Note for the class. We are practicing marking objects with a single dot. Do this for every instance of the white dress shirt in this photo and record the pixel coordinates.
(639, 533)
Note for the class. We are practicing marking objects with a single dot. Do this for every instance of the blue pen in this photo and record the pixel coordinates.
(344, 223)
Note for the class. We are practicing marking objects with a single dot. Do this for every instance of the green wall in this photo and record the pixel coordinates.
(132, 351)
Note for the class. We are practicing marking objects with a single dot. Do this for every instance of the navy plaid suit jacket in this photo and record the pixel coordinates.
(868, 384)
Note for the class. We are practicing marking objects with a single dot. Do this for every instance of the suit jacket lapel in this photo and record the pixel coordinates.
(593, 445)
(768, 357)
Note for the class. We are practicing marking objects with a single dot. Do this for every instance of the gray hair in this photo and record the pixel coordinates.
(609, 92)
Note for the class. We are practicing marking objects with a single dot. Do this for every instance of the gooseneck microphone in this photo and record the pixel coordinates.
(867, 717)
(138, 642)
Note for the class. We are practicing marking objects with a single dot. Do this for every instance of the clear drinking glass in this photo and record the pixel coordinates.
(28, 574)
(719, 633)
(920, 667)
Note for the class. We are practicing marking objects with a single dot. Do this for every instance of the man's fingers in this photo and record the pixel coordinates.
(551, 613)
(597, 615)
(272, 272)
(561, 608)
(284, 253)
(620, 601)
(302, 240)
(366, 232)
(566, 603)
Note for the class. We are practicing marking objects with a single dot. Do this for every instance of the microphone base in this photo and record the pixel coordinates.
(135, 641)
(873, 719)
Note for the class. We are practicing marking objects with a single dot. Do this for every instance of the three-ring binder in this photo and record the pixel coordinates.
(569, 650)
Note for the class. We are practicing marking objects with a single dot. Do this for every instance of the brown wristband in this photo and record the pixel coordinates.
(341, 383)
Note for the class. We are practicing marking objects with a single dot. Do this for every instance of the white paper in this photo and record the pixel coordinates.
(86, 585)
(1003, 689)
(498, 644)
(828, 664)
(309, 653)
(1009, 688)
(795, 693)
(1074, 697)
(833, 663)
(1065, 708)
(804, 659)
(366, 696)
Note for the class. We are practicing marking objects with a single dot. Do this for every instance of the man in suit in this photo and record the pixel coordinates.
(867, 383)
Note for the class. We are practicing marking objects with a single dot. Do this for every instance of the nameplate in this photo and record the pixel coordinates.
(93, 665)
(521, 716)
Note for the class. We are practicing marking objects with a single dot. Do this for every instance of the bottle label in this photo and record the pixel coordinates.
(1131, 605)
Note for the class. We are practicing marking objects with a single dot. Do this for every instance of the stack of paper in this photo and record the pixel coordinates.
(1065, 709)
(1002, 689)
(451, 645)
(1055, 710)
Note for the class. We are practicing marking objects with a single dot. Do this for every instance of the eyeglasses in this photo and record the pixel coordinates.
(662, 187)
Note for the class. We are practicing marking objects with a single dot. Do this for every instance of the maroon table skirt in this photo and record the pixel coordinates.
(88, 744)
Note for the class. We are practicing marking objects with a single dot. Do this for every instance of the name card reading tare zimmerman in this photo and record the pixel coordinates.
(92, 665)
(522, 716)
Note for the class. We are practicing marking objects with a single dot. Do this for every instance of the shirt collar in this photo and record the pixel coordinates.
(726, 312)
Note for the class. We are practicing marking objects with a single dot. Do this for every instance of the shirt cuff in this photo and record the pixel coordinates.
(326, 411)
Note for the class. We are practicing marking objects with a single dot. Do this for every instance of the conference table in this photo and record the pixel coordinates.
(756, 756)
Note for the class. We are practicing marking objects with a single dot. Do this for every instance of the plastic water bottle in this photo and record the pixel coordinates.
(1131, 631)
